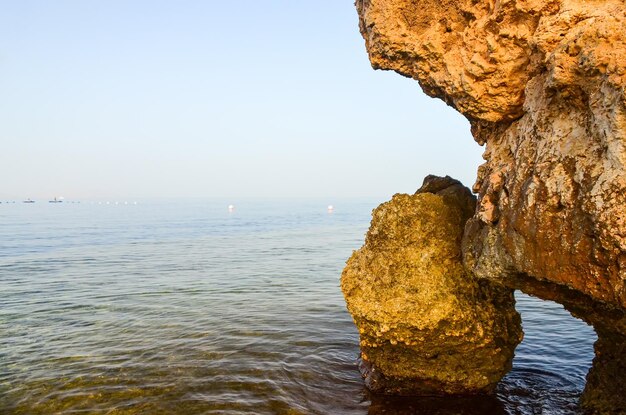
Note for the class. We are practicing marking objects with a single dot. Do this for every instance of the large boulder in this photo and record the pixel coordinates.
(427, 326)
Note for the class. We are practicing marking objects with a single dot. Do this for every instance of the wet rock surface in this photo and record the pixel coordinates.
(543, 84)
(427, 326)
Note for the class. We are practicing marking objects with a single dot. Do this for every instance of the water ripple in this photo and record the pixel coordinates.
(173, 308)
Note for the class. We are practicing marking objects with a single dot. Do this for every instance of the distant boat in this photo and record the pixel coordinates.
(29, 201)
(56, 200)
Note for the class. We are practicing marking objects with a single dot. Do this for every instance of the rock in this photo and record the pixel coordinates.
(604, 391)
(427, 326)
(543, 83)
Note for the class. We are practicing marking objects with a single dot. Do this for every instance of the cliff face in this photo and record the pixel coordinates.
(543, 83)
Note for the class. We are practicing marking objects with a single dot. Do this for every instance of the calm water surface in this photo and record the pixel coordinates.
(183, 308)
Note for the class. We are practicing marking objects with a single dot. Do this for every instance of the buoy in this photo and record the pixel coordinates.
(231, 208)
(331, 208)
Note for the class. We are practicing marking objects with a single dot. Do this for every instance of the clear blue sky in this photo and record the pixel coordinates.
(130, 98)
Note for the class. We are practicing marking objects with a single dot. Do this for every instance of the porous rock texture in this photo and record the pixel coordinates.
(543, 84)
(427, 326)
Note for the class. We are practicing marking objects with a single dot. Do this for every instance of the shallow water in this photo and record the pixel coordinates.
(182, 308)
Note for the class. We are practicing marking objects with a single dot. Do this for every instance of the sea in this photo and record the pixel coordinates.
(187, 307)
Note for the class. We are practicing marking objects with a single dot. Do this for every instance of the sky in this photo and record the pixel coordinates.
(133, 98)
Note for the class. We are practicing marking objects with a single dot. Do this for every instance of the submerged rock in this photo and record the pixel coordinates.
(427, 326)
(543, 83)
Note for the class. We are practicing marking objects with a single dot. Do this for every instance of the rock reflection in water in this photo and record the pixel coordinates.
(479, 405)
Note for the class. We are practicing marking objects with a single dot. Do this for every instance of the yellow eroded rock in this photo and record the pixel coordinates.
(426, 325)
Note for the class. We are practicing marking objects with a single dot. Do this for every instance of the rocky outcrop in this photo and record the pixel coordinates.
(426, 325)
(543, 83)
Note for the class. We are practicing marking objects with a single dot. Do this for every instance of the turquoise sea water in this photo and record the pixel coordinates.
(180, 307)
